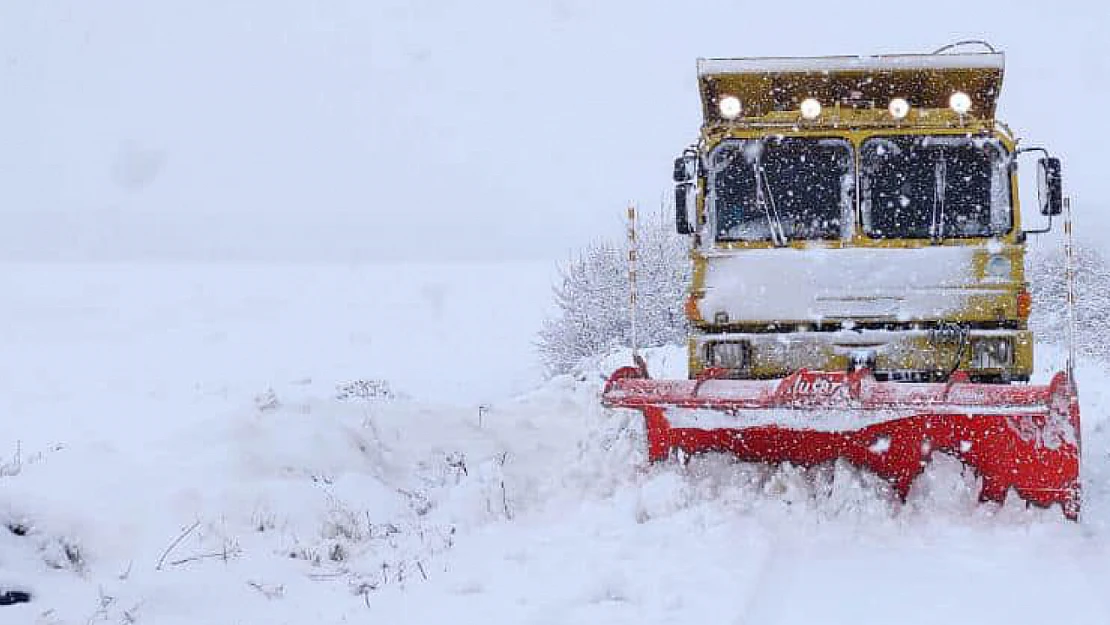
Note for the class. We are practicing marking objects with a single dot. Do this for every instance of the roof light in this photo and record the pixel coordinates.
(960, 102)
(899, 108)
(729, 106)
(811, 108)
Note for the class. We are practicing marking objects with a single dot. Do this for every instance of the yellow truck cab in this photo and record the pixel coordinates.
(857, 212)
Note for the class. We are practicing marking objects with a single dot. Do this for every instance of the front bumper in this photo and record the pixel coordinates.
(909, 354)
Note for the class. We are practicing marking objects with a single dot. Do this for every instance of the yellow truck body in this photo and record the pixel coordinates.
(837, 291)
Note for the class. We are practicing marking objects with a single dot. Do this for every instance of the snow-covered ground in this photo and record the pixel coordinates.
(329, 444)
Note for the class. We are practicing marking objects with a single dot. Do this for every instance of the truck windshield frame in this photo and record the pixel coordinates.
(782, 189)
(935, 187)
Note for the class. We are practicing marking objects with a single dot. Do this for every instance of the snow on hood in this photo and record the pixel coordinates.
(816, 284)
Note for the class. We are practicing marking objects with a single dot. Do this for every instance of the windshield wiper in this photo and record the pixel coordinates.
(774, 223)
(940, 171)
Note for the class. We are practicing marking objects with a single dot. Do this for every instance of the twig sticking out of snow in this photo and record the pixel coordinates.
(104, 602)
(271, 592)
(363, 589)
(224, 555)
(501, 460)
(175, 543)
(15, 467)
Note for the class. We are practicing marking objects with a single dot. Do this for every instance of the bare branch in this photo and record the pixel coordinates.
(175, 543)
(196, 558)
(270, 592)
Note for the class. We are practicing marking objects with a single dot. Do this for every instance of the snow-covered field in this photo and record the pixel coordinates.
(300, 443)
(328, 444)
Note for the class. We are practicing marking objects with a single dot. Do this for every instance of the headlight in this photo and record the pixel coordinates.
(728, 354)
(729, 106)
(998, 267)
(993, 352)
(811, 108)
(960, 102)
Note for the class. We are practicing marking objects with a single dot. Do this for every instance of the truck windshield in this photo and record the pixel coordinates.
(781, 189)
(934, 187)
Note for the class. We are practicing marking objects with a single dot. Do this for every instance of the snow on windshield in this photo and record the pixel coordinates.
(781, 189)
(934, 187)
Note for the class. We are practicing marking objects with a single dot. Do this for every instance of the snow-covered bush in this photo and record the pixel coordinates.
(592, 304)
(1045, 273)
(364, 390)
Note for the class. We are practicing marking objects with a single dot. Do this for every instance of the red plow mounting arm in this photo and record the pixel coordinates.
(1020, 437)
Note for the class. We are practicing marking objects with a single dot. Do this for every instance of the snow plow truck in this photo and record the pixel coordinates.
(858, 287)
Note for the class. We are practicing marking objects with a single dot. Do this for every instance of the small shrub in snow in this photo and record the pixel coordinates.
(1045, 274)
(270, 591)
(363, 588)
(457, 462)
(268, 401)
(364, 390)
(13, 467)
(592, 298)
(263, 519)
(306, 553)
(19, 528)
(63, 554)
(418, 502)
(57, 552)
(344, 523)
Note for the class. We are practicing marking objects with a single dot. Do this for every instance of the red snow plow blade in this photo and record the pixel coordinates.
(1019, 437)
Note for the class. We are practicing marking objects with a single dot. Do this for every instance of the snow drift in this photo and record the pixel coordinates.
(208, 492)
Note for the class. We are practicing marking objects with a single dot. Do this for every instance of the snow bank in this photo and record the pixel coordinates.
(332, 498)
(303, 505)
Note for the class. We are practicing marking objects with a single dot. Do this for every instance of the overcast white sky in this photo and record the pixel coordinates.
(436, 129)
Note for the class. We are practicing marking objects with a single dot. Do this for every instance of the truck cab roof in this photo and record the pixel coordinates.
(852, 90)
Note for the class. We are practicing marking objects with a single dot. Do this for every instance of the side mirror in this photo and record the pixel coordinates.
(682, 216)
(685, 168)
(1049, 186)
(682, 169)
